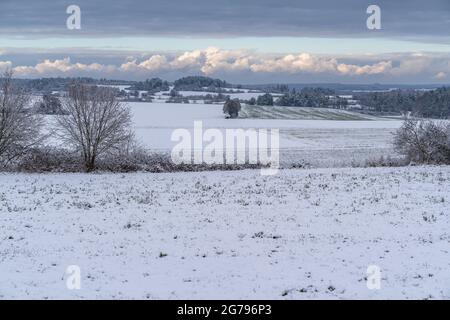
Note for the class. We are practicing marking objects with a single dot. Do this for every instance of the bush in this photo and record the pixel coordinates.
(50, 159)
(232, 108)
(385, 162)
(265, 100)
(424, 141)
(136, 159)
(49, 105)
(251, 102)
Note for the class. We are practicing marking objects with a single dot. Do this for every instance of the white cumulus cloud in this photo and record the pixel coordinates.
(5, 65)
(61, 67)
(212, 60)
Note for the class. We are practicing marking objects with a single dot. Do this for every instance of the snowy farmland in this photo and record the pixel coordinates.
(309, 233)
(314, 137)
(300, 234)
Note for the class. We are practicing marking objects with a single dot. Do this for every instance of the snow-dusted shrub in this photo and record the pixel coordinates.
(49, 104)
(49, 159)
(424, 141)
(141, 160)
(135, 159)
(387, 161)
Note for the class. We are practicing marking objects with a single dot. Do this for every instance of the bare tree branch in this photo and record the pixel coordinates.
(94, 122)
(20, 127)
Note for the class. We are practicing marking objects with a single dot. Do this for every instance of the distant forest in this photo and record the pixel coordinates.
(199, 83)
(151, 85)
(432, 103)
(45, 85)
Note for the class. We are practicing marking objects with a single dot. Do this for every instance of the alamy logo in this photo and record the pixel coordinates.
(211, 146)
(374, 20)
(73, 22)
(73, 280)
(373, 277)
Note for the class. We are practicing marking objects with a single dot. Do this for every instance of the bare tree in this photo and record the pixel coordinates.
(94, 122)
(20, 128)
(424, 141)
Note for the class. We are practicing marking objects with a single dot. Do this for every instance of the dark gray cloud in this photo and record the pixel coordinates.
(418, 19)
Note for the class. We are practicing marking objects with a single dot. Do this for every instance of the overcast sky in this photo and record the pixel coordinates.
(243, 41)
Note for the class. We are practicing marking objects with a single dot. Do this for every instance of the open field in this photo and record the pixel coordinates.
(228, 151)
(302, 233)
(299, 234)
(302, 113)
(318, 143)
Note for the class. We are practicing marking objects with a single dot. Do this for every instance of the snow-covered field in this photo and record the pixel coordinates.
(299, 234)
(302, 113)
(313, 137)
(302, 233)
(319, 143)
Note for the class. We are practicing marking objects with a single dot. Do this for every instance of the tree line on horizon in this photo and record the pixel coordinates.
(425, 103)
